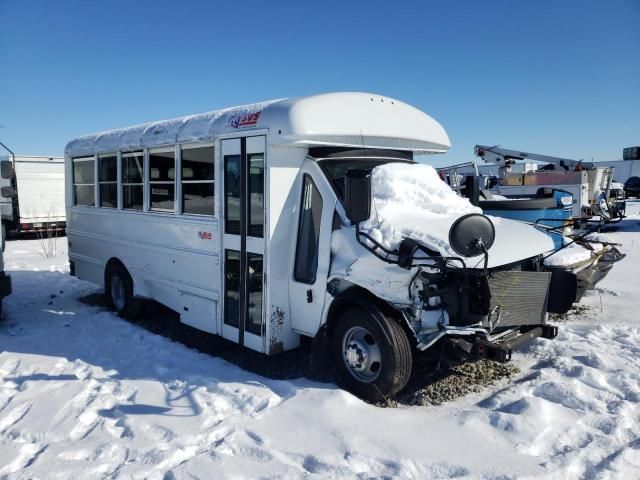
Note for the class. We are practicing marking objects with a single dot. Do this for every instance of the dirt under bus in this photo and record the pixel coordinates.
(262, 224)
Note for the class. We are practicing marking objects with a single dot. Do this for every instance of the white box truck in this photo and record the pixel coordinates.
(307, 217)
(32, 193)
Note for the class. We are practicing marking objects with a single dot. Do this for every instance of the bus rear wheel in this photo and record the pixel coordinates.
(119, 292)
(373, 361)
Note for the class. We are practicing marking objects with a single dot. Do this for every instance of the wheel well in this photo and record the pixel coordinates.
(361, 298)
(115, 262)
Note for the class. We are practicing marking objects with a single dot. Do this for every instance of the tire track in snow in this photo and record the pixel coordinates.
(25, 458)
(581, 403)
(14, 416)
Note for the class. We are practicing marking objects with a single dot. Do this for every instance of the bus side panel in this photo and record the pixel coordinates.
(283, 171)
(166, 256)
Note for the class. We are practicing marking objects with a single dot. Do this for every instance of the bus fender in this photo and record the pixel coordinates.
(352, 297)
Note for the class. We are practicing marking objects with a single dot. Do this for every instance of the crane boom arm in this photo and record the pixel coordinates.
(505, 158)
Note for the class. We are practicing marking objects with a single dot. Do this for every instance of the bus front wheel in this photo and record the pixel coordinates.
(372, 355)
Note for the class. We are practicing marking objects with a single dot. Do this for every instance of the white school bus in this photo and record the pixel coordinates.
(246, 220)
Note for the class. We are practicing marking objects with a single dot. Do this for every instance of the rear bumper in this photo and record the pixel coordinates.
(5, 285)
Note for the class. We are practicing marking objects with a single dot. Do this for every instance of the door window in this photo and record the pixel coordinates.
(306, 262)
(232, 194)
(256, 195)
(254, 317)
(232, 288)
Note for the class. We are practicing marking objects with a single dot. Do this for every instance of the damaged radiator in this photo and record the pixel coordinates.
(518, 298)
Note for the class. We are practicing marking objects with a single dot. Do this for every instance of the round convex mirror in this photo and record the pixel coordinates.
(469, 233)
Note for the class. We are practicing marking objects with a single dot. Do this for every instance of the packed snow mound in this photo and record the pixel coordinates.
(411, 200)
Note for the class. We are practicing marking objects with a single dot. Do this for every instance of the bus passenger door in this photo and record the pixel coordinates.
(243, 161)
(312, 249)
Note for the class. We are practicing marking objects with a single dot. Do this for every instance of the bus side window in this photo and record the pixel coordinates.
(132, 185)
(108, 180)
(197, 181)
(162, 180)
(84, 181)
(306, 263)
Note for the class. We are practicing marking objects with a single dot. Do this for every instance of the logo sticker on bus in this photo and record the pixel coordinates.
(204, 235)
(244, 120)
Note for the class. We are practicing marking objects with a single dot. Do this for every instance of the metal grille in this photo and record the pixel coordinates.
(520, 297)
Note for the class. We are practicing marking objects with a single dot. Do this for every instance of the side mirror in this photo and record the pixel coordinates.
(7, 192)
(6, 169)
(471, 235)
(357, 195)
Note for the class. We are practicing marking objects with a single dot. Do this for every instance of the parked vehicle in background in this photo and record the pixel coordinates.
(631, 153)
(307, 217)
(32, 193)
(632, 187)
(588, 184)
(617, 200)
(5, 280)
(579, 251)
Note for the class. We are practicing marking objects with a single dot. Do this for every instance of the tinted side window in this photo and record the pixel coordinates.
(306, 263)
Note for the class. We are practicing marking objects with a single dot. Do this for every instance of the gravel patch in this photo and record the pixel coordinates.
(575, 311)
(455, 382)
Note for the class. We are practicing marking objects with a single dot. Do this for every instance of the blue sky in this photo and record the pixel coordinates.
(555, 77)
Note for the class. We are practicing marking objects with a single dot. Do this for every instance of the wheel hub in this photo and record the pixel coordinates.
(361, 354)
(356, 355)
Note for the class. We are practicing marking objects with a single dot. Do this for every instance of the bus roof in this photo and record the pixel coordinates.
(347, 119)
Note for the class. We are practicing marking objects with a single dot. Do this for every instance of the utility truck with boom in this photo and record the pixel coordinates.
(307, 217)
(588, 184)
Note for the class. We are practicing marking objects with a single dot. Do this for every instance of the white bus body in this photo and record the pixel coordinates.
(38, 193)
(257, 246)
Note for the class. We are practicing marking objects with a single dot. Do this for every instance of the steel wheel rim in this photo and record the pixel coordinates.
(118, 293)
(361, 354)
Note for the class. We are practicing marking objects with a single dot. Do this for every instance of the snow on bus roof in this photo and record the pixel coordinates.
(339, 119)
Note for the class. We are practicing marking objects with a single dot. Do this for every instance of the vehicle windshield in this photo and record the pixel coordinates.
(336, 168)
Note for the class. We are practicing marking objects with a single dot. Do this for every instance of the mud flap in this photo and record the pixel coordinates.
(320, 355)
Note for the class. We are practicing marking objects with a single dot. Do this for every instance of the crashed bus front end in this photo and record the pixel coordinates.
(452, 273)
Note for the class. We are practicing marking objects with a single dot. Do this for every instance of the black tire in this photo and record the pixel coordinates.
(126, 306)
(372, 383)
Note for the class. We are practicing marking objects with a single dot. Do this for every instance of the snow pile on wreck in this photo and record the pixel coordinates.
(571, 255)
(410, 200)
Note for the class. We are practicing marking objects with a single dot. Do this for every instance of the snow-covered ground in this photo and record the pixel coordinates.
(84, 394)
